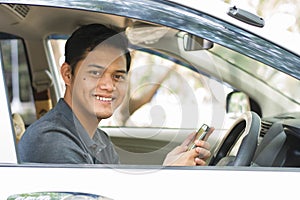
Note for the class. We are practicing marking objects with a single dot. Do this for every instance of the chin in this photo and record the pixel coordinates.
(103, 115)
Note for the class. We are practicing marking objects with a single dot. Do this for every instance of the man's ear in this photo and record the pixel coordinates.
(66, 73)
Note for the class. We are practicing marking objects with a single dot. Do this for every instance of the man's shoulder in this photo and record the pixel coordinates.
(54, 118)
(48, 120)
(47, 132)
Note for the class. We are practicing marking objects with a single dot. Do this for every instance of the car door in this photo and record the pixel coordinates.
(143, 147)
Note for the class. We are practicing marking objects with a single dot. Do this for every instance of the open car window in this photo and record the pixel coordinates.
(163, 92)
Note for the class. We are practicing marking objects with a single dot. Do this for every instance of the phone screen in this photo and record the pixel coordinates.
(200, 135)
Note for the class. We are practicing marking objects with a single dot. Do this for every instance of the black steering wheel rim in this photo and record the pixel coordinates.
(248, 126)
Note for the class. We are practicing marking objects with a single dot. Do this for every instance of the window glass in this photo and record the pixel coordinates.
(163, 93)
(276, 79)
(17, 78)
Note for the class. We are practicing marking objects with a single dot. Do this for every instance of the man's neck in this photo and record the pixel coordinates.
(89, 122)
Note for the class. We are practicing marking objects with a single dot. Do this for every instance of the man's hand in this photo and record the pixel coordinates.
(179, 156)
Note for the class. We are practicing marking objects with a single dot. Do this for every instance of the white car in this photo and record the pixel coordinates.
(194, 63)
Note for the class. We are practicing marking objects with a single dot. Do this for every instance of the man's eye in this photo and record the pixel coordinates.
(95, 73)
(120, 77)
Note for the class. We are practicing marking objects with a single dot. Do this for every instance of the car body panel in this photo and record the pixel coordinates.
(152, 183)
(143, 146)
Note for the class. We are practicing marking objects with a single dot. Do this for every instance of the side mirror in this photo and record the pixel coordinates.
(238, 102)
(193, 43)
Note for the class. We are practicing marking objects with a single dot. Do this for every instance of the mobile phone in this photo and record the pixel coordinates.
(200, 135)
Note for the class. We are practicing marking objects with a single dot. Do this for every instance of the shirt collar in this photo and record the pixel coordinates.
(79, 129)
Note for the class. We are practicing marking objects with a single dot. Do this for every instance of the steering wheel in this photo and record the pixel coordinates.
(246, 127)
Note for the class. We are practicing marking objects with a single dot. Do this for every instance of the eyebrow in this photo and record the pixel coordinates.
(104, 68)
(97, 66)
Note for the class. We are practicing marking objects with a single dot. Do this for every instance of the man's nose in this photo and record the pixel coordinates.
(106, 83)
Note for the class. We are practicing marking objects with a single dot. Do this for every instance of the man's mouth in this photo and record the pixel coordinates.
(104, 99)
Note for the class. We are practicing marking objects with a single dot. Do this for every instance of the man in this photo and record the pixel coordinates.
(95, 75)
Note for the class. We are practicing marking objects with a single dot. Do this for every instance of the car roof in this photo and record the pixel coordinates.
(220, 29)
(219, 9)
(214, 8)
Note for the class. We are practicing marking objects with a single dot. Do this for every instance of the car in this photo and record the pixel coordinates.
(193, 63)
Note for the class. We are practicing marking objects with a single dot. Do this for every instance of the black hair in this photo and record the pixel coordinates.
(87, 37)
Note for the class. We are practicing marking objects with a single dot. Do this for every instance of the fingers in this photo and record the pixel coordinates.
(200, 162)
(201, 156)
(180, 157)
(202, 153)
(203, 144)
(197, 156)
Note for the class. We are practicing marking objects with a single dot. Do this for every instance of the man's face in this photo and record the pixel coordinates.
(100, 82)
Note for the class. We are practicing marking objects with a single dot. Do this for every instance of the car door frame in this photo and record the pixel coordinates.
(7, 137)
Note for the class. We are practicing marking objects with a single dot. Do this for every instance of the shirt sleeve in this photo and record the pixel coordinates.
(48, 145)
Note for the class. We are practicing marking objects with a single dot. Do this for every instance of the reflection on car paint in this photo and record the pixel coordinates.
(57, 196)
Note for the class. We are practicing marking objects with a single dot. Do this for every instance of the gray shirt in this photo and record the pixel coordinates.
(59, 137)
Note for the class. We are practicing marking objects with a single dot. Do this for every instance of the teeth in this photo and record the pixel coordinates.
(103, 98)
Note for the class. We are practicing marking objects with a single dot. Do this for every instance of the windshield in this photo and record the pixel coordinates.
(275, 79)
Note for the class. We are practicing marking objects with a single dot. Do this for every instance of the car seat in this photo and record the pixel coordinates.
(19, 126)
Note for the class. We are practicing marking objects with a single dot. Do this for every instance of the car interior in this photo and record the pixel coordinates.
(201, 82)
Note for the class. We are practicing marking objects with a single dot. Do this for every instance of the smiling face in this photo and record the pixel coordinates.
(99, 83)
